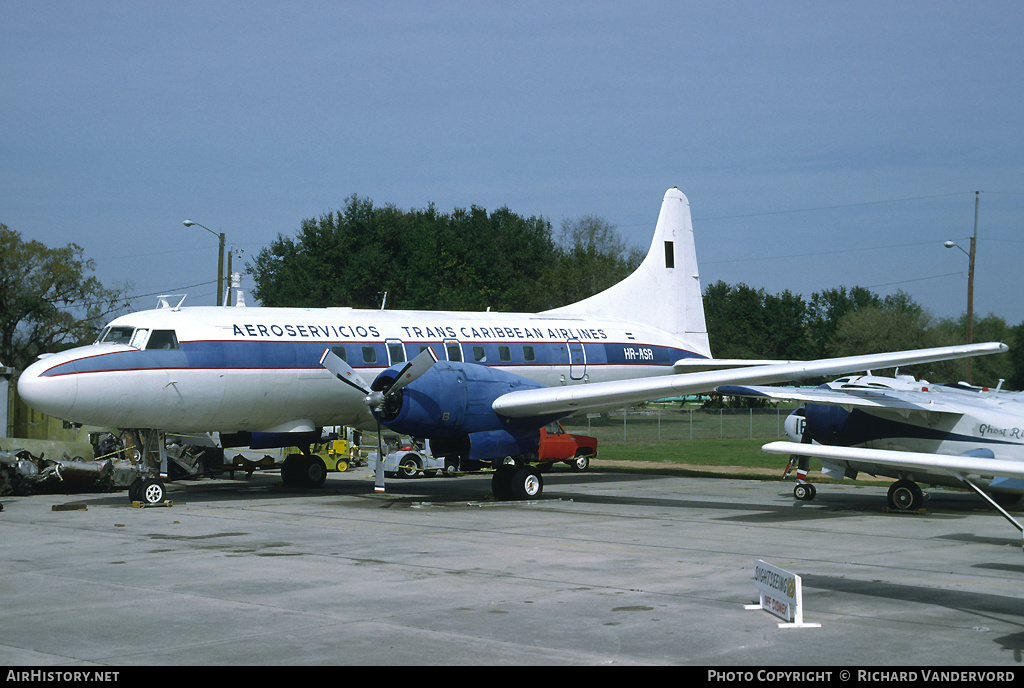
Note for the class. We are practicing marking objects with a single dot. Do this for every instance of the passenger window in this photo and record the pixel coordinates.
(396, 352)
(341, 352)
(528, 354)
(504, 354)
(162, 339)
(479, 355)
(369, 354)
(454, 352)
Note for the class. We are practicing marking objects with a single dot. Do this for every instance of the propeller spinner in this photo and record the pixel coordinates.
(377, 399)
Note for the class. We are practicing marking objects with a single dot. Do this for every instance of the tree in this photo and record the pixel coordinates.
(827, 308)
(896, 323)
(591, 256)
(744, 322)
(422, 259)
(985, 370)
(48, 300)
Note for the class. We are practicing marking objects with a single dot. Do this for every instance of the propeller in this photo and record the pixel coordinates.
(377, 399)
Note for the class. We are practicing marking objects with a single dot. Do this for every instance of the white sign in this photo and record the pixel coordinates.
(781, 595)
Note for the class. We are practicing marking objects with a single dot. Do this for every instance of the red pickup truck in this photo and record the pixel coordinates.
(558, 445)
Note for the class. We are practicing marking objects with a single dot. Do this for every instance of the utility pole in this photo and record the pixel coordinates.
(970, 285)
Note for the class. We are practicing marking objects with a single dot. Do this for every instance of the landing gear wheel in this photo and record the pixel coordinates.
(905, 495)
(314, 471)
(301, 470)
(527, 483)
(804, 492)
(151, 491)
(501, 483)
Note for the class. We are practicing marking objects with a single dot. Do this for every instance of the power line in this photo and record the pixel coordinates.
(821, 253)
(820, 208)
(836, 207)
(919, 279)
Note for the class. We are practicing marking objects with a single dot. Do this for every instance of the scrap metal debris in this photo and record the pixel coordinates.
(21, 473)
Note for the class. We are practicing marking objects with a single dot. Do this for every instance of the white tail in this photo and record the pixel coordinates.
(664, 292)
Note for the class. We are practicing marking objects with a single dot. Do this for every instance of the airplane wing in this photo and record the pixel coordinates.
(847, 398)
(599, 395)
(690, 365)
(955, 465)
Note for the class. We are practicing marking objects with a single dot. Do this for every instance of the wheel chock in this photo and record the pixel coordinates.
(143, 505)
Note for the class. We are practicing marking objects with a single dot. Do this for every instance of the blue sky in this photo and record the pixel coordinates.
(820, 144)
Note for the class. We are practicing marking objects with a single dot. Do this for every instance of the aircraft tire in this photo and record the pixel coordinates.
(300, 470)
(314, 471)
(905, 495)
(527, 483)
(501, 483)
(804, 492)
(152, 491)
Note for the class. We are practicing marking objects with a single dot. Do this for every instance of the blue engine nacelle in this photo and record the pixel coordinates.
(836, 426)
(450, 405)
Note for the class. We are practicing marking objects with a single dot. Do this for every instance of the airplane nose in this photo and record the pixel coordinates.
(53, 395)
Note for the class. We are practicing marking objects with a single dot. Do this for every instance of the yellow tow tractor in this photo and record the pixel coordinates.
(339, 454)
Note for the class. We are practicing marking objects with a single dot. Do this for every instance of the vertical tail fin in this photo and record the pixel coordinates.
(664, 292)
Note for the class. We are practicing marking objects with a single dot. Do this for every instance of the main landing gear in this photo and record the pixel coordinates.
(147, 491)
(303, 470)
(511, 482)
(905, 495)
(804, 492)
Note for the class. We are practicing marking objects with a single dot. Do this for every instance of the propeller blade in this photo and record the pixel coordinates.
(378, 474)
(343, 371)
(413, 369)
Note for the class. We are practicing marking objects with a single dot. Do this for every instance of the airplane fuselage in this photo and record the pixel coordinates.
(257, 369)
(989, 424)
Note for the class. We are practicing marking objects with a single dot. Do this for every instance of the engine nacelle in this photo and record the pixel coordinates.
(795, 425)
(453, 400)
(488, 445)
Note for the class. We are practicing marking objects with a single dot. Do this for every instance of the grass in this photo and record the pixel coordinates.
(722, 458)
(720, 452)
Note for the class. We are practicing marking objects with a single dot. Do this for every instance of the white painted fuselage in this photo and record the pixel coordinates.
(257, 369)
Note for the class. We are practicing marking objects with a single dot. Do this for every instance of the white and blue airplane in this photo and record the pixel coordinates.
(910, 430)
(479, 386)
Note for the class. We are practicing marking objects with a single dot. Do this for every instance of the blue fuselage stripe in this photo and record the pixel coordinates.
(369, 354)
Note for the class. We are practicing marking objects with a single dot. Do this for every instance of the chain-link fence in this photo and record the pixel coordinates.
(654, 424)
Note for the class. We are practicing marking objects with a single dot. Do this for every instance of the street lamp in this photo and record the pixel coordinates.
(970, 282)
(220, 260)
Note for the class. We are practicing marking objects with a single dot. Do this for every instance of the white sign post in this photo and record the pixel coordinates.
(781, 595)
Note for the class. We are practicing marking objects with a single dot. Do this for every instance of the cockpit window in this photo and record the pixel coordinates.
(162, 339)
(118, 335)
(139, 338)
